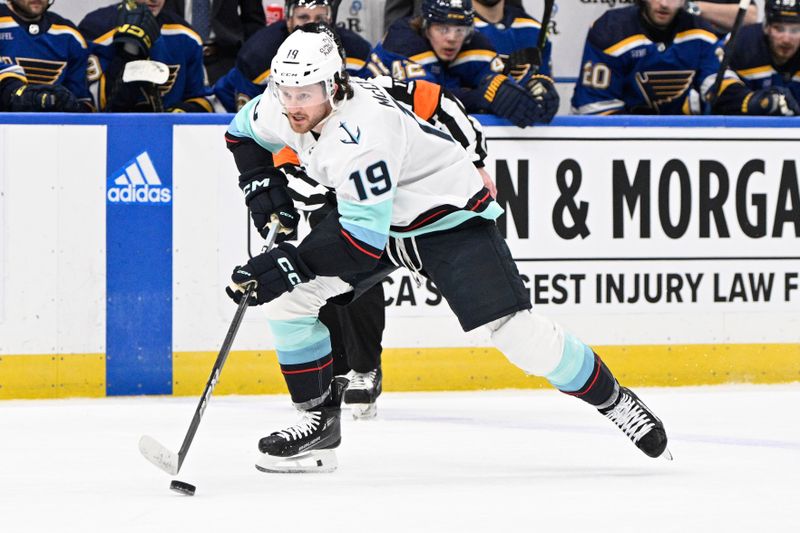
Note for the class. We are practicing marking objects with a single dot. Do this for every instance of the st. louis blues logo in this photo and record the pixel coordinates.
(352, 139)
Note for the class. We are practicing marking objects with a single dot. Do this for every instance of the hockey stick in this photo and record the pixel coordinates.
(153, 450)
(527, 61)
(727, 51)
(548, 13)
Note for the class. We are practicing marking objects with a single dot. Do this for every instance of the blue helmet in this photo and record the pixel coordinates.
(456, 12)
(782, 11)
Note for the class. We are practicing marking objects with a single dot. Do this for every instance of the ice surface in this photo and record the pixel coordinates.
(477, 461)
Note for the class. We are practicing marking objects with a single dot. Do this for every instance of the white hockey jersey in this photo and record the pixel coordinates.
(392, 173)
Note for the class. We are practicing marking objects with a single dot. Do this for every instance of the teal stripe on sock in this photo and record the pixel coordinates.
(300, 340)
(575, 368)
(305, 355)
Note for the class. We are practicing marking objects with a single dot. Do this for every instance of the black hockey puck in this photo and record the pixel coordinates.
(180, 487)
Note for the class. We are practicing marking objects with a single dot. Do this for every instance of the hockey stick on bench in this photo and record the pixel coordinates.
(727, 51)
(157, 453)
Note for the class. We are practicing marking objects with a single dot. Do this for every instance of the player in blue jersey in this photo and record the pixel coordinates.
(140, 30)
(48, 56)
(515, 35)
(248, 78)
(655, 58)
(768, 55)
(441, 46)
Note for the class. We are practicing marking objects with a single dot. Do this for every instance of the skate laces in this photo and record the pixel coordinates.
(631, 418)
(362, 380)
(309, 421)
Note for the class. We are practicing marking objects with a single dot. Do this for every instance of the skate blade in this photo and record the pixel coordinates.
(364, 411)
(315, 461)
(667, 455)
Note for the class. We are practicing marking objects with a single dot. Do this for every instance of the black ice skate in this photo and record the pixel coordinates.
(639, 423)
(363, 391)
(306, 446)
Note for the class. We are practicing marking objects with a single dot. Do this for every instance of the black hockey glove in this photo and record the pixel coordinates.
(137, 30)
(773, 101)
(523, 63)
(274, 272)
(508, 100)
(266, 194)
(44, 98)
(544, 91)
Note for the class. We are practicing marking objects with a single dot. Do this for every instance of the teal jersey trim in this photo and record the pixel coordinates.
(369, 223)
(241, 126)
(575, 367)
(452, 220)
(300, 340)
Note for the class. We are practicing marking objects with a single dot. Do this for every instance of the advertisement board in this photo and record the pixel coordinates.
(676, 234)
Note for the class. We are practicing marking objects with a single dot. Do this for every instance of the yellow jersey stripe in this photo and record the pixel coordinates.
(106, 38)
(262, 78)
(202, 102)
(180, 29)
(626, 44)
(424, 56)
(525, 23)
(473, 55)
(8, 75)
(696, 33)
(756, 72)
(57, 29)
(355, 63)
(7, 22)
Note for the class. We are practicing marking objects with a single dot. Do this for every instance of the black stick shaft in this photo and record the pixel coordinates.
(727, 52)
(548, 13)
(222, 357)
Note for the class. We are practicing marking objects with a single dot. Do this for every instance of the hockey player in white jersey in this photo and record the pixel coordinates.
(356, 329)
(408, 196)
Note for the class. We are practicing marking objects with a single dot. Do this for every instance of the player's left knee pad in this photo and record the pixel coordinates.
(306, 299)
(529, 340)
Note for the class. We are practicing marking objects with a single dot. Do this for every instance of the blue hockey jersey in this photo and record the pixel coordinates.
(179, 47)
(752, 62)
(517, 30)
(631, 67)
(50, 51)
(248, 78)
(404, 54)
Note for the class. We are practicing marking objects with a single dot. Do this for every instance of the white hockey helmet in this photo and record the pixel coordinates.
(305, 59)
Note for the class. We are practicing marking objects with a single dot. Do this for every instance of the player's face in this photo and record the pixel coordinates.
(304, 15)
(784, 40)
(447, 39)
(662, 12)
(29, 8)
(305, 106)
(155, 6)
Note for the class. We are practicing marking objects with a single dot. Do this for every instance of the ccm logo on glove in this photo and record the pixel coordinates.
(291, 276)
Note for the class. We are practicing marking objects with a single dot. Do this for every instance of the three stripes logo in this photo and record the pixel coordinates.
(138, 182)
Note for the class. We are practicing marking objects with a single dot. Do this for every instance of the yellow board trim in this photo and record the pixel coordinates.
(414, 369)
(462, 369)
(52, 376)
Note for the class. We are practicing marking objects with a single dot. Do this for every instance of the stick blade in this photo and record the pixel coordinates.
(159, 455)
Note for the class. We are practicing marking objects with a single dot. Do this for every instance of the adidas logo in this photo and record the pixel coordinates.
(138, 182)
